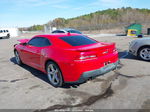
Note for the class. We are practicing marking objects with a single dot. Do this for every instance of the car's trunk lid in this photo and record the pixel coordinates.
(99, 48)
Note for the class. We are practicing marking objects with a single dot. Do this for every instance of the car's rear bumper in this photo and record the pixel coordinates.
(94, 73)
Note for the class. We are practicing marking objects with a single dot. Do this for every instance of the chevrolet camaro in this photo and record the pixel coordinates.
(67, 58)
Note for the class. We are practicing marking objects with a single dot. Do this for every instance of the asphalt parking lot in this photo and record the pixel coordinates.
(22, 87)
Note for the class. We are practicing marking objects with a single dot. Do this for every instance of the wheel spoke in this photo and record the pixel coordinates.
(147, 50)
(53, 78)
(49, 72)
(56, 71)
(144, 55)
(52, 67)
(56, 78)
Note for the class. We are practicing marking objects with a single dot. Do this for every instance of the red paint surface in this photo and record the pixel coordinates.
(66, 56)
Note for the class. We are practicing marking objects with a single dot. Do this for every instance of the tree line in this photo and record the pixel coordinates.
(105, 19)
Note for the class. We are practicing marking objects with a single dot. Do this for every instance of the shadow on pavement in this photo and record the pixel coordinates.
(41, 75)
(127, 55)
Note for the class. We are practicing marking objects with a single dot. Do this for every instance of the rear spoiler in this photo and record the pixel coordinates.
(102, 46)
(94, 47)
(23, 40)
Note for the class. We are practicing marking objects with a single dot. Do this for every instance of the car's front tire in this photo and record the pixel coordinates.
(17, 57)
(144, 53)
(54, 74)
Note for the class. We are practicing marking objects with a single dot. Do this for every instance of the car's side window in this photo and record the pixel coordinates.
(39, 42)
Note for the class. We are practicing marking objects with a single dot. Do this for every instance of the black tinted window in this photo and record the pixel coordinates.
(39, 42)
(58, 31)
(54, 32)
(74, 31)
(78, 40)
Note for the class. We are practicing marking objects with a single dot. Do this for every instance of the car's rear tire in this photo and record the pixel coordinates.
(54, 74)
(144, 53)
(17, 57)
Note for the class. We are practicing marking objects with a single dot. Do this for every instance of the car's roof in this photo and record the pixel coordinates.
(57, 35)
(66, 29)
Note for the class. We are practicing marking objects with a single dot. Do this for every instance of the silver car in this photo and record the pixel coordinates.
(141, 48)
(66, 30)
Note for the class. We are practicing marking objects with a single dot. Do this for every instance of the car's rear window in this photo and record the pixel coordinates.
(78, 40)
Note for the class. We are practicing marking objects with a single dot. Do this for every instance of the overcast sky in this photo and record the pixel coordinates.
(23, 13)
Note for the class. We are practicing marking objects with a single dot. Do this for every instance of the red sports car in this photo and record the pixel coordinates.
(67, 58)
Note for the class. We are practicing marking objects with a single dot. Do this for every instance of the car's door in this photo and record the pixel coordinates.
(32, 51)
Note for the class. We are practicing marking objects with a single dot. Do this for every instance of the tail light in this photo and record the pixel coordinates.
(86, 56)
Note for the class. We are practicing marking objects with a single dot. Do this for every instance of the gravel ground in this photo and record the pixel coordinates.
(22, 87)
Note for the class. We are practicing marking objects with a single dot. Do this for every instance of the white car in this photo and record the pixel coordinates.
(4, 34)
